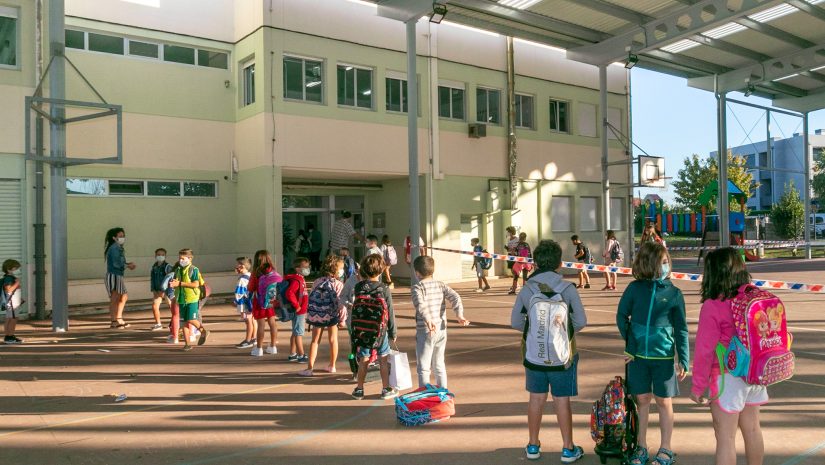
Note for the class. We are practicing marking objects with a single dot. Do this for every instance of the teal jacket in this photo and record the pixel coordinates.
(657, 329)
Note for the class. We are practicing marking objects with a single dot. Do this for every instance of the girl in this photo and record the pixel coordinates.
(650, 235)
(522, 249)
(737, 406)
(10, 287)
(333, 272)
(388, 255)
(116, 265)
(263, 273)
(652, 321)
(609, 259)
(512, 242)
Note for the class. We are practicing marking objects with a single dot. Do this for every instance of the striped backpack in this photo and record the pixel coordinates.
(324, 304)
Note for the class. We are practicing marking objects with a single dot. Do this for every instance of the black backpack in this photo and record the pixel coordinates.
(370, 317)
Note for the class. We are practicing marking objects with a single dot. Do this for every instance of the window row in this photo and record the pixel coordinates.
(562, 214)
(113, 187)
(8, 37)
(116, 45)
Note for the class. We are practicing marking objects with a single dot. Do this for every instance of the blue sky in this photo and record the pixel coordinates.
(673, 120)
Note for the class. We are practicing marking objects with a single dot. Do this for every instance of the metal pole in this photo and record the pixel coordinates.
(722, 133)
(768, 158)
(806, 145)
(631, 217)
(412, 144)
(39, 187)
(512, 148)
(57, 141)
(605, 159)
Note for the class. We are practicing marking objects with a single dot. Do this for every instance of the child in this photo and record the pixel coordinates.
(583, 256)
(652, 321)
(187, 283)
(156, 276)
(10, 287)
(372, 245)
(371, 268)
(430, 301)
(174, 308)
(296, 297)
(650, 235)
(390, 259)
(263, 275)
(738, 405)
(522, 250)
(611, 257)
(559, 381)
(326, 294)
(478, 266)
(243, 303)
(350, 267)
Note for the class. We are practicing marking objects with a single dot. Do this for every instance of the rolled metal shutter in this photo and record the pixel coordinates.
(11, 220)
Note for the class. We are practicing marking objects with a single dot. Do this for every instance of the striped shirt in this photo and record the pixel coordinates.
(342, 230)
(430, 300)
(242, 294)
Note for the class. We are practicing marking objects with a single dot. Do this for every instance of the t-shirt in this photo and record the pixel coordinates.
(373, 250)
(511, 245)
(188, 295)
(15, 298)
(342, 230)
(242, 294)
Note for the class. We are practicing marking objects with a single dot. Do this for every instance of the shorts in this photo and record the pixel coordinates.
(114, 283)
(558, 383)
(647, 375)
(161, 294)
(243, 310)
(737, 394)
(189, 312)
(519, 267)
(10, 313)
(383, 349)
(299, 324)
(263, 313)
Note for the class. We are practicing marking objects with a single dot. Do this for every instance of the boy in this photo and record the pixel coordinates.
(430, 301)
(350, 267)
(187, 284)
(478, 266)
(10, 287)
(371, 287)
(156, 276)
(372, 245)
(583, 256)
(559, 380)
(243, 265)
(298, 299)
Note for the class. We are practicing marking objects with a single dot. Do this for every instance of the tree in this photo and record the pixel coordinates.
(697, 173)
(818, 183)
(788, 216)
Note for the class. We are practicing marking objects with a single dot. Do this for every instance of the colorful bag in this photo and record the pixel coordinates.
(267, 290)
(370, 317)
(760, 351)
(324, 305)
(285, 311)
(614, 420)
(427, 404)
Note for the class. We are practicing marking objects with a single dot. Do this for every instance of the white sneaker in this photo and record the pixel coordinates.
(272, 350)
(172, 340)
(256, 352)
(157, 327)
(479, 290)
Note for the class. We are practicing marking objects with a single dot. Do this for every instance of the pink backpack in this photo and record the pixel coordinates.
(267, 292)
(760, 350)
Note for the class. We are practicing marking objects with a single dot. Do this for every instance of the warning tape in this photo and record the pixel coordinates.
(774, 285)
(786, 245)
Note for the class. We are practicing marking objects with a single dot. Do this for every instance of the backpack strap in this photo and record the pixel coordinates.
(721, 352)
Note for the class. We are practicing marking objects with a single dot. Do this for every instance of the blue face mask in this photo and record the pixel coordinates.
(664, 270)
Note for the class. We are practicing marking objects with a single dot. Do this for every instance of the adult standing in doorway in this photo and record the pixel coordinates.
(116, 265)
(315, 247)
(342, 231)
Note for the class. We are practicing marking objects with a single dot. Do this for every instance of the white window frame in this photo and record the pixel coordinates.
(304, 59)
(197, 58)
(355, 106)
(145, 182)
(488, 89)
(245, 101)
(402, 77)
(453, 85)
(139, 57)
(533, 110)
(13, 13)
(556, 116)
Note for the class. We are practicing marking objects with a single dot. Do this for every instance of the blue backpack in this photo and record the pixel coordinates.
(324, 303)
(486, 262)
(285, 311)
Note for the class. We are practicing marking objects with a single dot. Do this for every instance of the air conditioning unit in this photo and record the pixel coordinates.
(477, 130)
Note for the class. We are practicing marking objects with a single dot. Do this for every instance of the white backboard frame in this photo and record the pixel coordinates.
(651, 171)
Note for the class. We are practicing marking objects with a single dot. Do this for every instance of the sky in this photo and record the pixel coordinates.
(675, 121)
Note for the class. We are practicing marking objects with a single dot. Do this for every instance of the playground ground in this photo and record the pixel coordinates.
(218, 405)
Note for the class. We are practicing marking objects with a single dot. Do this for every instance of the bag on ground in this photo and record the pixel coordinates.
(427, 404)
(547, 334)
(400, 375)
(370, 317)
(324, 304)
(614, 421)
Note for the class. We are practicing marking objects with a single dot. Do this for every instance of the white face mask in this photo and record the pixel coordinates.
(305, 272)
(16, 271)
(121, 240)
(184, 262)
(160, 258)
(664, 270)
(341, 273)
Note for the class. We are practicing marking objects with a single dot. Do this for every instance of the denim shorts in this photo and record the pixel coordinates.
(383, 349)
(558, 383)
(652, 375)
(299, 324)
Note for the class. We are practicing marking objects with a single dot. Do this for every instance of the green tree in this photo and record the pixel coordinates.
(788, 216)
(698, 172)
(818, 183)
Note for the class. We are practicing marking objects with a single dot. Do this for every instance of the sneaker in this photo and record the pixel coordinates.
(257, 352)
(17, 340)
(479, 290)
(306, 373)
(571, 455)
(330, 369)
(587, 286)
(511, 291)
(272, 350)
(202, 338)
(187, 348)
(303, 358)
(253, 342)
(244, 344)
(487, 287)
(156, 327)
(358, 393)
(11, 340)
(293, 358)
(388, 393)
(533, 451)
(172, 340)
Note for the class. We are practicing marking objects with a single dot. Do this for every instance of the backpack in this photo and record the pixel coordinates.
(616, 254)
(427, 404)
(760, 350)
(523, 249)
(614, 420)
(370, 317)
(486, 262)
(548, 332)
(304, 247)
(349, 267)
(194, 273)
(267, 291)
(323, 305)
(5, 299)
(285, 311)
(390, 256)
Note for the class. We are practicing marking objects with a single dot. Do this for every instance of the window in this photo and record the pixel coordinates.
(163, 188)
(135, 188)
(212, 59)
(81, 186)
(617, 216)
(451, 102)
(142, 49)
(763, 159)
(178, 54)
(105, 43)
(560, 214)
(199, 189)
(587, 120)
(589, 214)
(559, 116)
(354, 86)
(125, 187)
(488, 103)
(8, 36)
(248, 79)
(396, 94)
(75, 39)
(303, 79)
(524, 111)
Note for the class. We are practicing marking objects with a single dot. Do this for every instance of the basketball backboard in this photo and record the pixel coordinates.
(651, 171)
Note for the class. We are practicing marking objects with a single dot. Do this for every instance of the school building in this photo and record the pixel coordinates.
(246, 120)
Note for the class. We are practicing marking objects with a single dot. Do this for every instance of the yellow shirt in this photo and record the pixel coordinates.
(188, 295)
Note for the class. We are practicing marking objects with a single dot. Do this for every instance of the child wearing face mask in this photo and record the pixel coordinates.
(187, 284)
(652, 321)
(328, 310)
(297, 298)
(156, 276)
(12, 300)
(243, 302)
